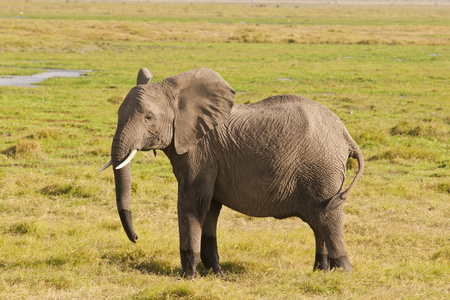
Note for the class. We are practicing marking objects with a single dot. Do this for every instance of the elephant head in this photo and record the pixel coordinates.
(175, 113)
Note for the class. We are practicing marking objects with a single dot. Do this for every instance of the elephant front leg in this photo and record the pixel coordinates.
(195, 206)
(189, 263)
(190, 234)
(209, 253)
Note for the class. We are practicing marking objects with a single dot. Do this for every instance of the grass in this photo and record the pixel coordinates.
(60, 235)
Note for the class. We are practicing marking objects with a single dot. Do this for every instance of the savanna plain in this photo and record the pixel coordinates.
(385, 71)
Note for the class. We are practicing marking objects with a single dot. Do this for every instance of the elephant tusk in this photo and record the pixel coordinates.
(105, 166)
(127, 161)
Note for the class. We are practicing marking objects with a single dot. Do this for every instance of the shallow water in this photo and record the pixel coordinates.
(30, 81)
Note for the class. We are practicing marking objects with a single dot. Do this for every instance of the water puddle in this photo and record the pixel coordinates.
(29, 81)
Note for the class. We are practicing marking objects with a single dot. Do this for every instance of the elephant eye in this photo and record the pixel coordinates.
(148, 117)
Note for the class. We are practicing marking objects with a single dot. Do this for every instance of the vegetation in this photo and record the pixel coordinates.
(382, 70)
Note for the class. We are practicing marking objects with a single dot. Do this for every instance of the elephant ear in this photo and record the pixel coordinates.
(144, 76)
(203, 100)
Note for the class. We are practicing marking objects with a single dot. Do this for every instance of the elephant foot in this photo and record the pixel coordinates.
(322, 262)
(325, 263)
(189, 263)
(187, 275)
(341, 262)
(210, 257)
(217, 272)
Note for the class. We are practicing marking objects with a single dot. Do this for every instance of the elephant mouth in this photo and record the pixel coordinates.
(151, 149)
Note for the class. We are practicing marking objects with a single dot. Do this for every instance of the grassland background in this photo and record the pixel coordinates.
(60, 236)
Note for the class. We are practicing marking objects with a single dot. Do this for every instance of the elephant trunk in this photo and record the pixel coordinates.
(122, 179)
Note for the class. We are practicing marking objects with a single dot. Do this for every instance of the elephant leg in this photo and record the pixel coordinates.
(333, 233)
(193, 207)
(190, 256)
(208, 252)
(190, 235)
(322, 260)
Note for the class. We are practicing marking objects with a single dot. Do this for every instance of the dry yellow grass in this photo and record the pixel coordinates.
(67, 34)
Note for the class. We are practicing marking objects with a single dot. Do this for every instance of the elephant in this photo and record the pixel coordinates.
(284, 156)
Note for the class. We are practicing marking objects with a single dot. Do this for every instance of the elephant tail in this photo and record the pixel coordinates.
(339, 198)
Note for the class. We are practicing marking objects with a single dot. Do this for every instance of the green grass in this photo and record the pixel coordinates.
(60, 236)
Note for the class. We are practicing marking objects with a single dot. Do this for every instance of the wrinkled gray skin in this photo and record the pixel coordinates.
(284, 156)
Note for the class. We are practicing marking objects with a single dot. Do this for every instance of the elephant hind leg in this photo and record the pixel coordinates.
(331, 228)
(322, 260)
(208, 251)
